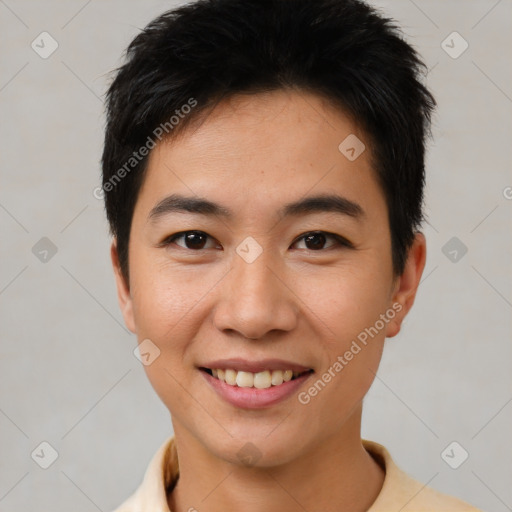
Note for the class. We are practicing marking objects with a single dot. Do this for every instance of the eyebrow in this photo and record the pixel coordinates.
(330, 203)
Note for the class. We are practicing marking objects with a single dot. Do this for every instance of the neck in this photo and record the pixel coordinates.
(337, 474)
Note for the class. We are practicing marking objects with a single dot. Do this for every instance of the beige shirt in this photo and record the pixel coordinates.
(400, 492)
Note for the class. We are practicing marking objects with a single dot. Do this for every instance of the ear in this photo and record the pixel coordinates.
(407, 284)
(123, 289)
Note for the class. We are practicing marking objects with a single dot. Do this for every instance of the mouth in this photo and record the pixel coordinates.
(260, 380)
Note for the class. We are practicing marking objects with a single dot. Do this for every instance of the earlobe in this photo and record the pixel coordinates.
(123, 289)
(407, 284)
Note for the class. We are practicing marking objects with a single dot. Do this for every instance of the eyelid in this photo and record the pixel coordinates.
(340, 240)
(170, 239)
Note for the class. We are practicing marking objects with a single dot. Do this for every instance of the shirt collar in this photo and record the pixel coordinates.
(163, 471)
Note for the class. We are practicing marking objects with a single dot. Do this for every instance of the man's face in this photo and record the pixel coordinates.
(257, 284)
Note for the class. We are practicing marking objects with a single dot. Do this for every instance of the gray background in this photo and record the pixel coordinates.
(68, 375)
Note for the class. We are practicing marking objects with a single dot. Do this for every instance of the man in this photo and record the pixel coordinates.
(263, 175)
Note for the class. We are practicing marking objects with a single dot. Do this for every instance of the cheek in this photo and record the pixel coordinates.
(163, 306)
(352, 307)
(163, 297)
(351, 357)
(346, 300)
(170, 306)
(162, 315)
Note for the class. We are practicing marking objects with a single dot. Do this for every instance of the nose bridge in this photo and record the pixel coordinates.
(257, 278)
(256, 299)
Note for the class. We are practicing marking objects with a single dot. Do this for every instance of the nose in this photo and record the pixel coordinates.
(256, 299)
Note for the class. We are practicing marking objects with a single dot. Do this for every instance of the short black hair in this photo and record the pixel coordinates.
(190, 58)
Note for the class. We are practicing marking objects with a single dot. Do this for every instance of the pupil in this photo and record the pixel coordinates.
(193, 240)
(317, 240)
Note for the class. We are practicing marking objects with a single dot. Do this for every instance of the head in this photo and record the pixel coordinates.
(263, 177)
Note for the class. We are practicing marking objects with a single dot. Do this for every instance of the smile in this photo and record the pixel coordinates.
(260, 380)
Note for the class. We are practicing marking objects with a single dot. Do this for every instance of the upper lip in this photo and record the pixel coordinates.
(254, 366)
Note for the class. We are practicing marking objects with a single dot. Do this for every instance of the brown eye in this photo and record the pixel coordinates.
(193, 240)
(316, 240)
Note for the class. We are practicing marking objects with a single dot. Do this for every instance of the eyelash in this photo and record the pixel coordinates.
(340, 241)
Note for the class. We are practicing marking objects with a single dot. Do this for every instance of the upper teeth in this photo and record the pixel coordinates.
(260, 380)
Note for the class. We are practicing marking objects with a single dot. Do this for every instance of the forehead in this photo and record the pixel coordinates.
(264, 150)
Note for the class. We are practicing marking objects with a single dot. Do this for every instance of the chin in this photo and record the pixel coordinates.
(258, 450)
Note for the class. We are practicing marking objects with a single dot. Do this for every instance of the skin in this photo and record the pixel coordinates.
(253, 154)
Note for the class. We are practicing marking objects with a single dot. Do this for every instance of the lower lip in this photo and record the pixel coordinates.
(254, 398)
